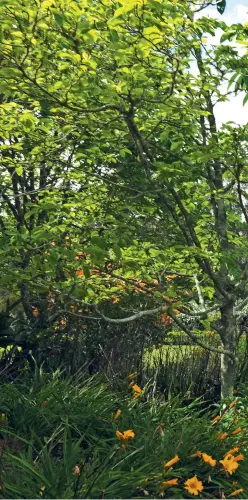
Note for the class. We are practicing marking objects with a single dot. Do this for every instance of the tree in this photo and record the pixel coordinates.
(110, 148)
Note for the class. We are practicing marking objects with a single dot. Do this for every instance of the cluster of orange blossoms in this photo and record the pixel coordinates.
(193, 485)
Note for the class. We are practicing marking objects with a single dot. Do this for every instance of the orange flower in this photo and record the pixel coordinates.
(208, 460)
(229, 463)
(80, 272)
(170, 482)
(77, 471)
(216, 419)
(236, 431)
(232, 451)
(239, 457)
(197, 454)
(172, 461)
(136, 391)
(236, 492)
(193, 485)
(117, 414)
(223, 436)
(125, 436)
(115, 300)
(232, 404)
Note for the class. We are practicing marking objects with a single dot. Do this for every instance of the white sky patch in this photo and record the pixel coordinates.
(232, 110)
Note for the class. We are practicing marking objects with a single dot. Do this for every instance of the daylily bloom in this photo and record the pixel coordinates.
(136, 391)
(193, 485)
(117, 414)
(239, 457)
(42, 489)
(236, 431)
(236, 492)
(208, 459)
(223, 436)
(77, 471)
(232, 451)
(232, 404)
(229, 463)
(197, 454)
(172, 461)
(125, 436)
(170, 482)
(216, 419)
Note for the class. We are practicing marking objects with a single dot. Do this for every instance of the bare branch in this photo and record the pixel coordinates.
(198, 288)
(151, 312)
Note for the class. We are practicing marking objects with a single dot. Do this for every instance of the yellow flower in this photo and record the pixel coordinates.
(136, 391)
(232, 451)
(236, 431)
(125, 436)
(216, 419)
(170, 482)
(229, 463)
(223, 436)
(172, 461)
(197, 454)
(117, 414)
(208, 459)
(236, 492)
(193, 485)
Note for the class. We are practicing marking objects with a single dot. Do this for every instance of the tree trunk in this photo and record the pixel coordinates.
(228, 374)
(229, 341)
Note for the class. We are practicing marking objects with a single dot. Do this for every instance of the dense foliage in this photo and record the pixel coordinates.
(76, 438)
(123, 248)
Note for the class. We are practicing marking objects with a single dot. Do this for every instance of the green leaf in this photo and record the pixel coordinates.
(176, 145)
(245, 80)
(99, 241)
(221, 6)
(245, 99)
(19, 170)
(59, 18)
(117, 251)
(28, 121)
(86, 271)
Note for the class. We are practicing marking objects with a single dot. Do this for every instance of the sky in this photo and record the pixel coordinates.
(233, 110)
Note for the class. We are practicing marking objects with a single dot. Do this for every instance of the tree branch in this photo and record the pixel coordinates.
(151, 312)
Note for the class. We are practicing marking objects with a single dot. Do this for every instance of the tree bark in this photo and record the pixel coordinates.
(228, 375)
